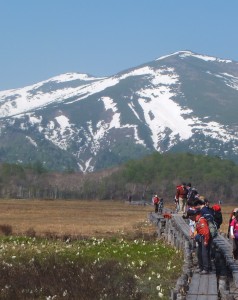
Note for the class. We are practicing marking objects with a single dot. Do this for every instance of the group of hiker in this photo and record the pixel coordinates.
(158, 203)
(204, 223)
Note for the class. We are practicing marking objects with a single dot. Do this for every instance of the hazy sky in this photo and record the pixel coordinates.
(40, 39)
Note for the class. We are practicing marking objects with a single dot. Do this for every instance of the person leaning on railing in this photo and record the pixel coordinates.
(203, 239)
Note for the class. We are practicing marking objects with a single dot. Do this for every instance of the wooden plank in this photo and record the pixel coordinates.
(203, 285)
(201, 297)
(191, 297)
(212, 284)
(207, 297)
(194, 285)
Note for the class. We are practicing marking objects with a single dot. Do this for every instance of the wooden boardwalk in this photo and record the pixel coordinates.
(197, 287)
(220, 284)
(203, 287)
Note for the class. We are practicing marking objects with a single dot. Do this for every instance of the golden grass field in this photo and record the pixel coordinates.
(97, 218)
(87, 218)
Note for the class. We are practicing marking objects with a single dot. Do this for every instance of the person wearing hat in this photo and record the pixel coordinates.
(217, 215)
(203, 240)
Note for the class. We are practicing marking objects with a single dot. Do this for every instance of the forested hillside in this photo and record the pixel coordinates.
(215, 178)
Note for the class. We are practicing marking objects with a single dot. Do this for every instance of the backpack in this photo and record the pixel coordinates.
(213, 228)
(218, 218)
(209, 216)
(217, 215)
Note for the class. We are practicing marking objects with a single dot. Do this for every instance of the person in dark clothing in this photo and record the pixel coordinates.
(206, 211)
(217, 215)
(192, 192)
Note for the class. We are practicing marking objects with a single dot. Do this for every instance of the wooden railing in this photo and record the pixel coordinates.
(221, 283)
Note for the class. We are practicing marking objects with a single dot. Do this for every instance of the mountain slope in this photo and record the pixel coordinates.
(180, 102)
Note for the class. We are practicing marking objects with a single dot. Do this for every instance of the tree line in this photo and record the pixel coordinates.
(158, 173)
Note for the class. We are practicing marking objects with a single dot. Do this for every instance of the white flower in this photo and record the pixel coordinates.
(160, 295)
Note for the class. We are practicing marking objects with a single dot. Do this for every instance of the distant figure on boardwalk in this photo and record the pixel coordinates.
(234, 235)
(181, 197)
(203, 239)
(130, 198)
(161, 205)
(156, 203)
(176, 204)
(192, 192)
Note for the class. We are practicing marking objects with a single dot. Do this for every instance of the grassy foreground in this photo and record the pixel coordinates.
(34, 268)
(83, 250)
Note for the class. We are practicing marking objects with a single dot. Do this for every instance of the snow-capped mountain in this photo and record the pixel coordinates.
(179, 102)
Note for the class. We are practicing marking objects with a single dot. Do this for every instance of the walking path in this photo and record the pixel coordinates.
(220, 284)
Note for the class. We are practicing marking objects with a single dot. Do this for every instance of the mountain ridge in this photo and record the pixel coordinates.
(180, 102)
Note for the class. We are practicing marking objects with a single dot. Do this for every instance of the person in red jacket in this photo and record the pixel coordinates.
(203, 239)
(181, 197)
(156, 201)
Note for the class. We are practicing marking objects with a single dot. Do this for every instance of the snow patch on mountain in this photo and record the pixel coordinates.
(170, 116)
(34, 120)
(184, 54)
(63, 122)
(160, 111)
(85, 166)
(31, 141)
(109, 104)
(74, 76)
(59, 131)
(103, 127)
(132, 107)
(214, 130)
(24, 100)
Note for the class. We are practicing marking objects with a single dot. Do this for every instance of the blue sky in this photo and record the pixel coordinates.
(43, 38)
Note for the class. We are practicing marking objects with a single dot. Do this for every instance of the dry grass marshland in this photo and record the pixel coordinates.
(61, 217)
(79, 218)
(124, 266)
